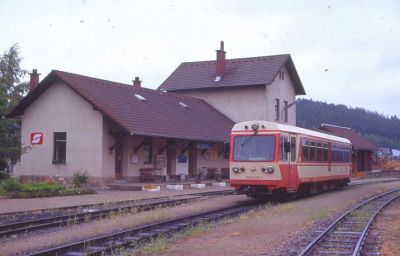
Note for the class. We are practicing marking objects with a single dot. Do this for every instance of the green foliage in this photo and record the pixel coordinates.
(381, 130)
(42, 186)
(14, 189)
(11, 92)
(79, 178)
(10, 185)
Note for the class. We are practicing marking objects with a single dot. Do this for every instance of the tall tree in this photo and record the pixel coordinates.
(11, 92)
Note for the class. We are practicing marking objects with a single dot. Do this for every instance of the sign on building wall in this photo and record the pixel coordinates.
(36, 138)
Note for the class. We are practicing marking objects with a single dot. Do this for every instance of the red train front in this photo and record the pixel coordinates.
(268, 158)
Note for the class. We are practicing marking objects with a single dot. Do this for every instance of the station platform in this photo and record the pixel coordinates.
(134, 186)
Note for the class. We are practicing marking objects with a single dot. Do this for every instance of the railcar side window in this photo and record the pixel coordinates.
(283, 154)
(325, 152)
(319, 152)
(312, 151)
(304, 150)
(293, 149)
(333, 157)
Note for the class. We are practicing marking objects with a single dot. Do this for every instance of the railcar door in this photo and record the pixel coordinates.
(293, 163)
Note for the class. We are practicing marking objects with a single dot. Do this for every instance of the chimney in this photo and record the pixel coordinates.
(34, 79)
(137, 82)
(220, 62)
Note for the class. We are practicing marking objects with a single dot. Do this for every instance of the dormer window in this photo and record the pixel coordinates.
(281, 75)
(184, 105)
(140, 97)
(217, 79)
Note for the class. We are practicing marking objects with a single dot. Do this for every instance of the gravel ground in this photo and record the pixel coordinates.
(39, 240)
(284, 229)
(388, 225)
(281, 229)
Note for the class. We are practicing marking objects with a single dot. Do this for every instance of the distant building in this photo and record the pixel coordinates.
(256, 88)
(384, 153)
(363, 150)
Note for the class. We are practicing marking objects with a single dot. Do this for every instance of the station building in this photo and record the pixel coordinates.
(363, 150)
(114, 131)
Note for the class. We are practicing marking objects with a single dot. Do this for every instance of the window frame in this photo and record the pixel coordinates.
(277, 110)
(59, 148)
(285, 108)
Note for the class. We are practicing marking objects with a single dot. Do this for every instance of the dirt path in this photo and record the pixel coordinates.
(388, 224)
(279, 230)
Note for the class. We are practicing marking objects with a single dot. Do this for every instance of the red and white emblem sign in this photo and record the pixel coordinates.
(36, 138)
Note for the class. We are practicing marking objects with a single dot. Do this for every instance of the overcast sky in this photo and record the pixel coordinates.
(347, 53)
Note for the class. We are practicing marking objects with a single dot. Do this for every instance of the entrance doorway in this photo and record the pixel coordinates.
(119, 157)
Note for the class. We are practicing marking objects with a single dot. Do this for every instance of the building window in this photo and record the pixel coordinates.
(281, 75)
(60, 148)
(147, 147)
(285, 111)
(277, 108)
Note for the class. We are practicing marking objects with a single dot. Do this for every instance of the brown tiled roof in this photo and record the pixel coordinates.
(239, 72)
(160, 114)
(357, 140)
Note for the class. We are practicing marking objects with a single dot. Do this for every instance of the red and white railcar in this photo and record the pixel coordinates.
(269, 157)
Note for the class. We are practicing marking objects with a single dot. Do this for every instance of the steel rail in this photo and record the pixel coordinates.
(106, 243)
(357, 249)
(60, 220)
(311, 246)
(107, 204)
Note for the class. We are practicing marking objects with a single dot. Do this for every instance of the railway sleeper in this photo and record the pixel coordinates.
(338, 241)
(337, 246)
(323, 252)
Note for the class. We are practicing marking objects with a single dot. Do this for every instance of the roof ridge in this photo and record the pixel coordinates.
(236, 59)
(131, 87)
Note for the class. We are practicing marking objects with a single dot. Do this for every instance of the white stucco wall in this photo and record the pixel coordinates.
(284, 91)
(252, 103)
(59, 109)
(239, 104)
(130, 143)
(108, 157)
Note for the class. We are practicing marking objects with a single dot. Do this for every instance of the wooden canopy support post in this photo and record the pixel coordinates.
(187, 147)
(161, 150)
(139, 146)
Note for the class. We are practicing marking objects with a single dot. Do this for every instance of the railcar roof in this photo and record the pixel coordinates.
(287, 128)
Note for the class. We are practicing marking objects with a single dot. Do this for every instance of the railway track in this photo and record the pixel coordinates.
(27, 221)
(131, 238)
(347, 235)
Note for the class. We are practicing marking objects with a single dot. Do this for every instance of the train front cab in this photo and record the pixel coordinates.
(263, 162)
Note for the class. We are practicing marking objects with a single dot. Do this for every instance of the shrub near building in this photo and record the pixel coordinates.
(12, 188)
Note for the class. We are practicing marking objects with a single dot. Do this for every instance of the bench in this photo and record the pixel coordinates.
(150, 174)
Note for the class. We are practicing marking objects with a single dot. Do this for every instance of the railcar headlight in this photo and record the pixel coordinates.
(255, 126)
(270, 169)
(236, 169)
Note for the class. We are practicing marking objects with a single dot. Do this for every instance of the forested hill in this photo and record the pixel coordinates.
(381, 130)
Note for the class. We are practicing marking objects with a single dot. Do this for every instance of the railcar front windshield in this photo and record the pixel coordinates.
(254, 148)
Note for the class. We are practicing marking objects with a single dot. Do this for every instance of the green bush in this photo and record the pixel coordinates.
(80, 177)
(13, 189)
(10, 185)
